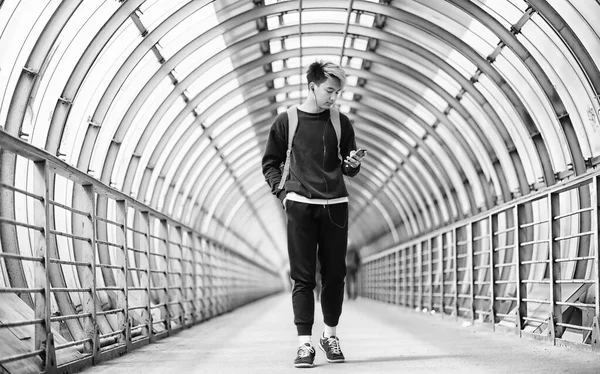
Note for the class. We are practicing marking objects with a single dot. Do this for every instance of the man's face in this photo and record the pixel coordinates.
(326, 93)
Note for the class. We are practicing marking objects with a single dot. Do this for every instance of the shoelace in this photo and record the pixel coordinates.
(305, 350)
(334, 344)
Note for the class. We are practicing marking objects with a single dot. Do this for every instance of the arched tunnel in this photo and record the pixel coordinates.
(132, 202)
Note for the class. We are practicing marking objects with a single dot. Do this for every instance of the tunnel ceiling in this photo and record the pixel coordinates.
(462, 105)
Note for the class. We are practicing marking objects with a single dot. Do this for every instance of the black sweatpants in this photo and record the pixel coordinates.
(317, 232)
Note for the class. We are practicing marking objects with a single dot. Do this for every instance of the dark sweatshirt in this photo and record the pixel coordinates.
(316, 172)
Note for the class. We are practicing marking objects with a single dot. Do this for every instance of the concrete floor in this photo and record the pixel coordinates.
(375, 338)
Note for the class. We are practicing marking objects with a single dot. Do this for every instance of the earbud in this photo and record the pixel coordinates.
(312, 88)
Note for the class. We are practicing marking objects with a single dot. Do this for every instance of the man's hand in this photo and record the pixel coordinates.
(354, 159)
(281, 196)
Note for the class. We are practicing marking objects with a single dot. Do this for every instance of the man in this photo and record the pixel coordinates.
(316, 202)
(352, 267)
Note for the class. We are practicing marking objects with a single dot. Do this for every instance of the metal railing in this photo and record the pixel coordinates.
(530, 266)
(99, 285)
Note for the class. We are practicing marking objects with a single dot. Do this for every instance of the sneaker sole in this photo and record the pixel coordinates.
(304, 365)
(337, 361)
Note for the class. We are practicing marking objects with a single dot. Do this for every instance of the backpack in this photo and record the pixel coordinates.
(293, 125)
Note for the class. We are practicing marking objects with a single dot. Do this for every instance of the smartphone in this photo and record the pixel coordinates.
(360, 152)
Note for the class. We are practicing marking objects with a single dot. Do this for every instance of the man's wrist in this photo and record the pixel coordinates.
(281, 194)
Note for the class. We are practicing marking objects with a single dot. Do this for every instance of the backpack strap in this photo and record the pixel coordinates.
(337, 126)
(292, 114)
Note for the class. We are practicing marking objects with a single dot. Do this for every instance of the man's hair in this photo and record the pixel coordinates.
(319, 71)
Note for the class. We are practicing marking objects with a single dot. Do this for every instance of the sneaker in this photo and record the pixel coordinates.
(331, 347)
(305, 357)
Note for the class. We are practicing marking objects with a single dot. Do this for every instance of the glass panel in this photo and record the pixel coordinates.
(442, 175)
(152, 13)
(416, 63)
(20, 28)
(233, 119)
(534, 99)
(317, 16)
(241, 140)
(218, 174)
(198, 161)
(149, 159)
(432, 44)
(506, 12)
(403, 119)
(471, 139)
(315, 40)
(198, 58)
(356, 43)
(464, 162)
(277, 65)
(71, 44)
(96, 81)
(181, 158)
(135, 131)
(186, 31)
(564, 72)
(363, 19)
(494, 137)
(199, 179)
(521, 139)
(432, 185)
(445, 162)
(138, 77)
(395, 146)
(207, 79)
(582, 17)
(237, 135)
(416, 86)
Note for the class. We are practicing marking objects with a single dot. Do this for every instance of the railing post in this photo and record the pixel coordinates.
(228, 301)
(397, 276)
(212, 258)
(368, 280)
(454, 246)
(207, 280)
(595, 192)
(43, 332)
(430, 250)
(441, 273)
(88, 275)
(471, 268)
(200, 283)
(190, 274)
(419, 255)
(122, 259)
(222, 285)
(210, 280)
(164, 238)
(404, 277)
(175, 274)
(521, 287)
(493, 243)
(554, 267)
(411, 275)
(372, 280)
(146, 278)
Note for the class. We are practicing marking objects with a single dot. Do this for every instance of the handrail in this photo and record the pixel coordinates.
(529, 265)
(539, 194)
(151, 277)
(60, 167)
